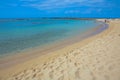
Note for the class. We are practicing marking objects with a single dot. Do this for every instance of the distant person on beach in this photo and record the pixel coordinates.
(105, 20)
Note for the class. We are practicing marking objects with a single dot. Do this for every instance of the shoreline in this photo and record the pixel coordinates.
(8, 48)
(44, 61)
(28, 54)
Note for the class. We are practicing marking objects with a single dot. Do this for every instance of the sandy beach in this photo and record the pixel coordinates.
(95, 58)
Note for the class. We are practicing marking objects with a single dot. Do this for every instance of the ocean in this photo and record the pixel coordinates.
(19, 34)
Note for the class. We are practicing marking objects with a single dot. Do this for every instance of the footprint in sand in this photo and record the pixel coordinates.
(51, 74)
(101, 68)
(111, 67)
(34, 75)
(106, 77)
(61, 78)
(118, 34)
(57, 68)
(92, 75)
(70, 60)
(75, 64)
(39, 76)
(62, 71)
(77, 74)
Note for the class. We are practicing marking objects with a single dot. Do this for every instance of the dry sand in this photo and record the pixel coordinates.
(96, 58)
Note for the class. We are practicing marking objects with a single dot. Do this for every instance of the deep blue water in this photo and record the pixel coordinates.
(17, 35)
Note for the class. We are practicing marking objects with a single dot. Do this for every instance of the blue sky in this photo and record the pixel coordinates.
(59, 8)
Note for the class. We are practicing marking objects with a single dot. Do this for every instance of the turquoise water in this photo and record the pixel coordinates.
(17, 35)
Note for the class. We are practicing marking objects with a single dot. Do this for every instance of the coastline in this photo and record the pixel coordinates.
(49, 59)
(27, 54)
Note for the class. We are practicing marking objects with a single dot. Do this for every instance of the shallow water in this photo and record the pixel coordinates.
(17, 35)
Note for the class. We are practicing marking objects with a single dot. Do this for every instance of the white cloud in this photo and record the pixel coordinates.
(54, 4)
(91, 10)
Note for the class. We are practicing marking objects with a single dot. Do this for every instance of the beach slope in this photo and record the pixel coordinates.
(96, 58)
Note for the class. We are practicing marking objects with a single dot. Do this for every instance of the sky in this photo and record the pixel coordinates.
(60, 8)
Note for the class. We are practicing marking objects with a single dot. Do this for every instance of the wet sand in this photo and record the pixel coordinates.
(31, 53)
(95, 58)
